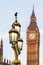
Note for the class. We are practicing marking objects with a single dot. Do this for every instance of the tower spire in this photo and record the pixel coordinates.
(1, 42)
(33, 17)
(33, 14)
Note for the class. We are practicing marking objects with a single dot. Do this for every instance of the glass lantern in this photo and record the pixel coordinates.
(20, 43)
(13, 35)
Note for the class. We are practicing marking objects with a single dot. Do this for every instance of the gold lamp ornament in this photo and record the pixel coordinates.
(15, 40)
(16, 24)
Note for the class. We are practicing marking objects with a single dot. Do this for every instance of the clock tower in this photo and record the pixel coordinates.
(32, 41)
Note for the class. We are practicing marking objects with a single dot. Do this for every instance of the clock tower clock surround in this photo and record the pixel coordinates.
(32, 41)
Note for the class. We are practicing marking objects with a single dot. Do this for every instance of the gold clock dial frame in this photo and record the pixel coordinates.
(32, 35)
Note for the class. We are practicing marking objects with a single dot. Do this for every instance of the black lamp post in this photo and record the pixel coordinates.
(15, 40)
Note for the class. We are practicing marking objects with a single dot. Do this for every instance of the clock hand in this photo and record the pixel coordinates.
(32, 35)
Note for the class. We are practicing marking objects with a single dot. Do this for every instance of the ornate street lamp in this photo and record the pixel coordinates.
(15, 40)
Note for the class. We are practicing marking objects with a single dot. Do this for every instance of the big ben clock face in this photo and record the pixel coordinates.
(32, 35)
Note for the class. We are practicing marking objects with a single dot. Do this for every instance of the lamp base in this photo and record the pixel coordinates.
(16, 62)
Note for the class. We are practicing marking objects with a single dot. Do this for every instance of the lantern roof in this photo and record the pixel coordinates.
(16, 21)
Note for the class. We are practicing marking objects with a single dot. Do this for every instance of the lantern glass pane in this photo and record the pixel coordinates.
(10, 37)
(20, 44)
(13, 37)
(17, 28)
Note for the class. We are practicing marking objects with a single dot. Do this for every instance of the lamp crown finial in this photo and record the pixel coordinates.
(16, 16)
(16, 13)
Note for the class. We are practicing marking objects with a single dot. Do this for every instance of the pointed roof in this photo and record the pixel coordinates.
(33, 17)
(33, 14)
(1, 41)
(16, 21)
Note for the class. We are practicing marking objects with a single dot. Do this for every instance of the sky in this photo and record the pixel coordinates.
(24, 9)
